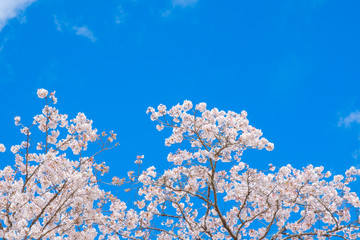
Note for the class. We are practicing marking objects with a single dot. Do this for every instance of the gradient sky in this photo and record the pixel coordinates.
(293, 65)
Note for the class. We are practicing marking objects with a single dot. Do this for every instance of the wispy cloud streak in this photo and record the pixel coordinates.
(353, 117)
(84, 31)
(184, 3)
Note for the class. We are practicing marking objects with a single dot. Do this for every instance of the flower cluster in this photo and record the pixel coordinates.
(208, 195)
(208, 192)
(213, 134)
(190, 203)
(53, 193)
(2, 148)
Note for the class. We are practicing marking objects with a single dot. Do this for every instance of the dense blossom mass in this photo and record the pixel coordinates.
(208, 191)
(53, 193)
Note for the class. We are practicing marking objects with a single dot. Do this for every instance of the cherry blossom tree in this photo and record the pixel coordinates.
(207, 192)
(45, 194)
(210, 193)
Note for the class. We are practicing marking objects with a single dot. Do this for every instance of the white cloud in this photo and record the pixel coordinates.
(166, 13)
(120, 15)
(351, 118)
(11, 8)
(59, 25)
(80, 31)
(356, 154)
(178, 3)
(85, 32)
(183, 3)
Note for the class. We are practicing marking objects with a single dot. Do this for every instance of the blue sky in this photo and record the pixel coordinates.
(293, 65)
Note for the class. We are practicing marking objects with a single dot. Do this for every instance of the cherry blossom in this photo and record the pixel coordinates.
(2, 148)
(53, 189)
(54, 193)
(42, 93)
(210, 193)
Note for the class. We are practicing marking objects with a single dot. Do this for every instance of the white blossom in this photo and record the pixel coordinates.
(42, 93)
(206, 192)
(2, 148)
